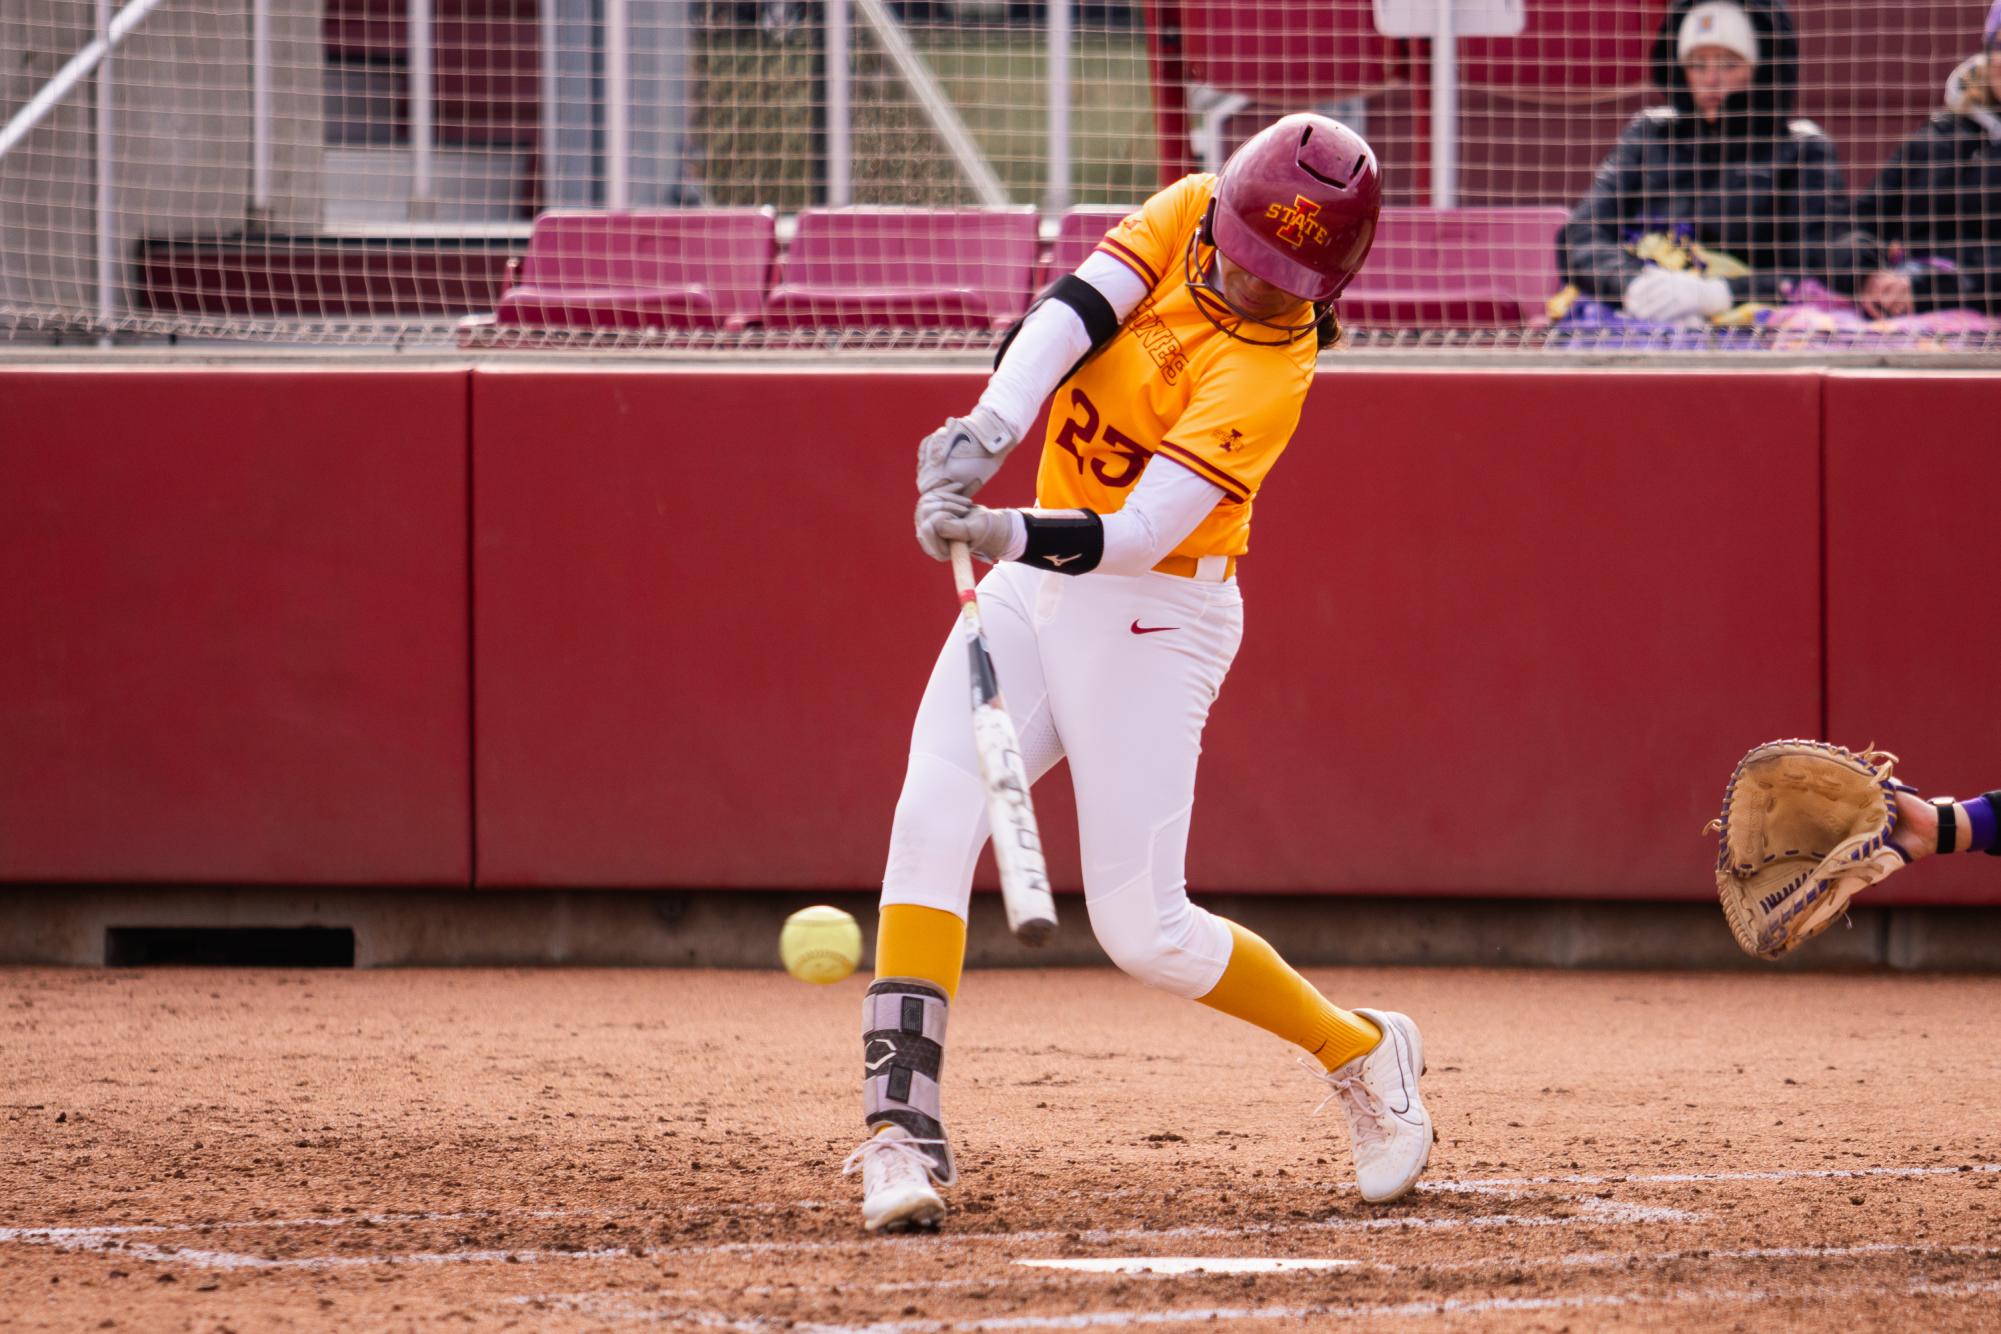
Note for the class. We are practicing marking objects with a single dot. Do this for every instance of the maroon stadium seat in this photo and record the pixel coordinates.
(1461, 268)
(1077, 235)
(905, 268)
(1464, 268)
(698, 268)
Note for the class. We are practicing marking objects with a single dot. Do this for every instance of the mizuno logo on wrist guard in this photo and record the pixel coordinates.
(1066, 541)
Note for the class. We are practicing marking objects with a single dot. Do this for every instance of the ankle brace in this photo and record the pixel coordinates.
(903, 1053)
(1973, 825)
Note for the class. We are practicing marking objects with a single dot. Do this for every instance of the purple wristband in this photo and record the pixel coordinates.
(1980, 824)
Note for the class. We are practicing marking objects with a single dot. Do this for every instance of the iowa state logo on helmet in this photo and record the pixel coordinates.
(1297, 223)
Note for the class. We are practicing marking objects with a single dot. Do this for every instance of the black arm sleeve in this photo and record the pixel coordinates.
(1101, 322)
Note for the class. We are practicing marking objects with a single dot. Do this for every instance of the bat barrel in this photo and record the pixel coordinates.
(1016, 840)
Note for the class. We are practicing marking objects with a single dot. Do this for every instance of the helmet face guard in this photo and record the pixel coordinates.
(1198, 269)
(1296, 206)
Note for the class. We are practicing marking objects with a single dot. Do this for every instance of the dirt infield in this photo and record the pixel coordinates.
(208, 1150)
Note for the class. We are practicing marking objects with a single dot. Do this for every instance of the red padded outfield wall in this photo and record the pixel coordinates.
(700, 622)
(1913, 518)
(1494, 642)
(233, 626)
(1507, 629)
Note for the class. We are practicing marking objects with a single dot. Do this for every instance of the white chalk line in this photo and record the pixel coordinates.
(1597, 1260)
(1593, 1212)
(1180, 1266)
(609, 1310)
(409, 1216)
(240, 1224)
(1493, 1185)
(1699, 1178)
(235, 1260)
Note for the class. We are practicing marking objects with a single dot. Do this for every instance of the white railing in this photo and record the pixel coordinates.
(617, 104)
(938, 108)
(94, 58)
(1057, 197)
(107, 180)
(423, 139)
(260, 110)
(840, 107)
(78, 68)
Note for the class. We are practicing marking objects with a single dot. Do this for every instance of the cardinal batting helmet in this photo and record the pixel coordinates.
(1297, 206)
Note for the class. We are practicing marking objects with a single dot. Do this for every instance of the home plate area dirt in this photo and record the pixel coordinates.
(248, 1150)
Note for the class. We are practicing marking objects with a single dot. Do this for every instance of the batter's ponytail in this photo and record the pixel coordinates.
(1328, 327)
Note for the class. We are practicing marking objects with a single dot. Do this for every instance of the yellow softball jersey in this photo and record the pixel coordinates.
(1172, 384)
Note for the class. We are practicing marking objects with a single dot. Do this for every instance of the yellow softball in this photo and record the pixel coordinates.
(820, 944)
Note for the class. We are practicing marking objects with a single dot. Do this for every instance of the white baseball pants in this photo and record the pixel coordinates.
(1116, 673)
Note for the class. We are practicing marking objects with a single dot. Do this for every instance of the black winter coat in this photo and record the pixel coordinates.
(1940, 196)
(1755, 184)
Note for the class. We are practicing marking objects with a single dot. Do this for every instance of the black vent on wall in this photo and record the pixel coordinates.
(230, 946)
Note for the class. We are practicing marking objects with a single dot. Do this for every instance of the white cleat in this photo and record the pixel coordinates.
(1387, 1123)
(897, 1192)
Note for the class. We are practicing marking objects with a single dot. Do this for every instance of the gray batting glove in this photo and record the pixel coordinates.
(988, 532)
(932, 508)
(964, 453)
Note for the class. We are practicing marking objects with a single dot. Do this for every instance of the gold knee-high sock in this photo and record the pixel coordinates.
(928, 944)
(1261, 988)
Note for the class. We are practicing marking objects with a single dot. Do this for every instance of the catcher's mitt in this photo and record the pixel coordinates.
(1805, 828)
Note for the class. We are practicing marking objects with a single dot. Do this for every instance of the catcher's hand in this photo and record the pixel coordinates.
(1806, 826)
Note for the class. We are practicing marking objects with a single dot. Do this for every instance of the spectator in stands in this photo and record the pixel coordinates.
(1935, 210)
(1728, 199)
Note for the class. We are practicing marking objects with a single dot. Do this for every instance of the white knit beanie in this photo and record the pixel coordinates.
(1718, 23)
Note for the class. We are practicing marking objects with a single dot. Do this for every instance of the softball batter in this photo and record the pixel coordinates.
(1180, 353)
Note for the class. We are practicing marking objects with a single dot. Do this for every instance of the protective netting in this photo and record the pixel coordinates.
(907, 173)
